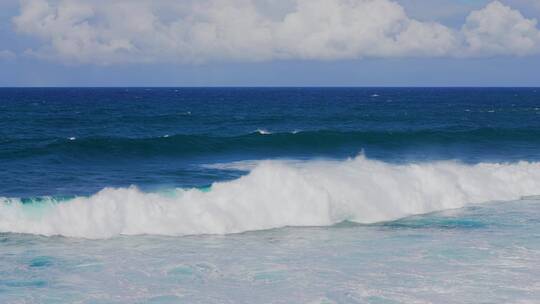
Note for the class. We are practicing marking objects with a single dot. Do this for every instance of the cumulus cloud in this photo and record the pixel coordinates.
(497, 29)
(190, 31)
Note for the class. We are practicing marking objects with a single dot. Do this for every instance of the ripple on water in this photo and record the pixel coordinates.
(427, 222)
(25, 284)
(41, 261)
(165, 299)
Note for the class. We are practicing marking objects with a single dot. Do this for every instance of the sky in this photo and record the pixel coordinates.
(269, 43)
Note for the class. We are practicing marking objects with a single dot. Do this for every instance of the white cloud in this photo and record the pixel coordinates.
(190, 31)
(497, 29)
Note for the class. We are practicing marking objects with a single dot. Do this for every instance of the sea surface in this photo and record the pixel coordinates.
(270, 195)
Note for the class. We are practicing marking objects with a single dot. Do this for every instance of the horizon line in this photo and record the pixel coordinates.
(274, 87)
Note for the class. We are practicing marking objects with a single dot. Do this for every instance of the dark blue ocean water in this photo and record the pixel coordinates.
(76, 141)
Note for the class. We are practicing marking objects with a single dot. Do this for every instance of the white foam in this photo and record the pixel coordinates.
(249, 165)
(277, 194)
(263, 132)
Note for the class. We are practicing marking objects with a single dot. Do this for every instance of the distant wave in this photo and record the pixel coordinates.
(263, 132)
(277, 194)
(260, 141)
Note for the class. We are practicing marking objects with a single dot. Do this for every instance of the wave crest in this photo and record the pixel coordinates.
(278, 194)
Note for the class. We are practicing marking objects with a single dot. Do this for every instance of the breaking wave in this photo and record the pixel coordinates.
(277, 194)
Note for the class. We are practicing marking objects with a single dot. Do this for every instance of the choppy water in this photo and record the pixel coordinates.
(339, 195)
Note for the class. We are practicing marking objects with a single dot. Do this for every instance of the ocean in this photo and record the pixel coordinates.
(269, 195)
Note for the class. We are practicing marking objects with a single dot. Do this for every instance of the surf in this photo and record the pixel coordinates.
(277, 194)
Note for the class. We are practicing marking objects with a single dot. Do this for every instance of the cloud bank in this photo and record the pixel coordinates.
(135, 31)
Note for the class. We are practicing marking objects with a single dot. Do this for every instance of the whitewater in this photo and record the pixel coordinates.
(277, 194)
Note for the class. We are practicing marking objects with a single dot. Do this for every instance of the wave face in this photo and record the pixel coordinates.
(277, 194)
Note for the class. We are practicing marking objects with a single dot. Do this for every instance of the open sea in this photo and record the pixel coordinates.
(270, 195)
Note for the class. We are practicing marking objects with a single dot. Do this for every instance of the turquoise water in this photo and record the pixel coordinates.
(269, 195)
(480, 254)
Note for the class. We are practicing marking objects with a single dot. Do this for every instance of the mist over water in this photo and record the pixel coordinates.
(226, 195)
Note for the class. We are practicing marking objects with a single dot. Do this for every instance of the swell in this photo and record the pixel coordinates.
(262, 142)
(277, 194)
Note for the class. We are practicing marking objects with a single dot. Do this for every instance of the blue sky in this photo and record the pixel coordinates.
(269, 43)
